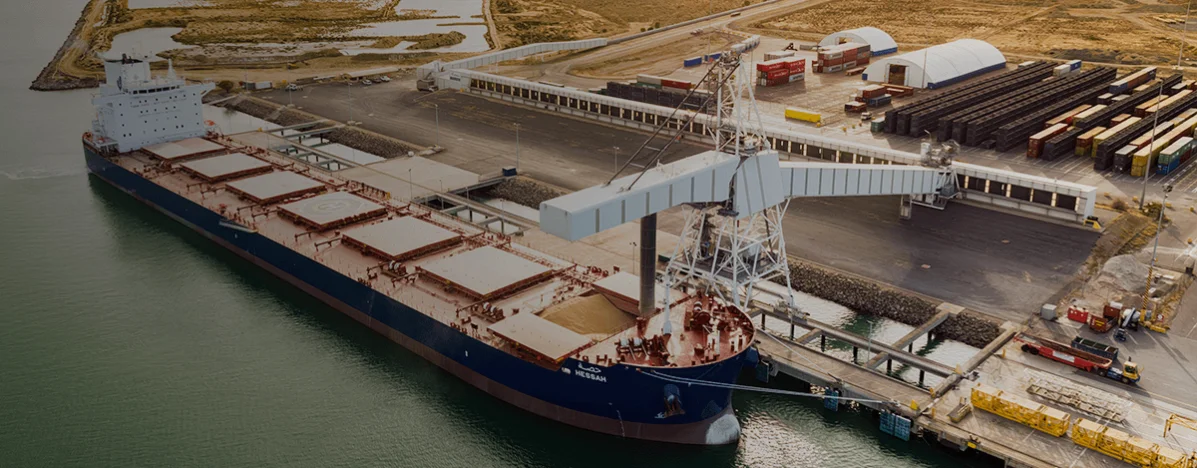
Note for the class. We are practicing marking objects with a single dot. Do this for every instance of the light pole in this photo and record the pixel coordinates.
(1184, 28)
(517, 148)
(1159, 226)
(437, 108)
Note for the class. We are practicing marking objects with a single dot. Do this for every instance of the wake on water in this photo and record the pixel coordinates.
(34, 173)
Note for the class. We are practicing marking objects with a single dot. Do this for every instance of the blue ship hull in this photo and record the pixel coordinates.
(619, 399)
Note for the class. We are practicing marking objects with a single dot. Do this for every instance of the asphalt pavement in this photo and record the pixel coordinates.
(998, 263)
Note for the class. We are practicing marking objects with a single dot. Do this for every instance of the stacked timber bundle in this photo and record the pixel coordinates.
(370, 142)
(526, 192)
(869, 298)
(969, 328)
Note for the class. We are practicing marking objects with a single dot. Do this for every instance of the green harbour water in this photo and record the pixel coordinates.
(127, 340)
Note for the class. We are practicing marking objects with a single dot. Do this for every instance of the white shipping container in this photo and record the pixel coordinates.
(833, 68)
(797, 77)
(778, 54)
(649, 79)
(1061, 70)
(830, 55)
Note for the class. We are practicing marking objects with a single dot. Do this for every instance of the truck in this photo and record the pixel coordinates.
(1128, 373)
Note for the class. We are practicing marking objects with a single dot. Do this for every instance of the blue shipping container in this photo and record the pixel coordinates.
(1074, 65)
(1165, 169)
(692, 62)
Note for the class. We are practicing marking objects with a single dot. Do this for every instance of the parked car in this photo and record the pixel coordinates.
(292, 87)
(384, 79)
(367, 82)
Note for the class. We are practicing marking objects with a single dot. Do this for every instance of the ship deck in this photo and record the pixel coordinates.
(541, 308)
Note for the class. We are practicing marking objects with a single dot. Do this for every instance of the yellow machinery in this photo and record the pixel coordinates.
(1134, 450)
(1178, 419)
(1021, 410)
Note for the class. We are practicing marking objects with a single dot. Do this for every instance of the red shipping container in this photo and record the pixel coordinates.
(862, 61)
(676, 84)
(796, 65)
(771, 65)
(833, 62)
(775, 74)
(849, 54)
(1078, 315)
(779, 81)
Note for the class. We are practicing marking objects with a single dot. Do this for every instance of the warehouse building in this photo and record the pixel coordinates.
(880, 43)
(937, 66)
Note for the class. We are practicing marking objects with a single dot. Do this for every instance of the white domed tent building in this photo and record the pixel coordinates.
(880, 43)
(937, 66)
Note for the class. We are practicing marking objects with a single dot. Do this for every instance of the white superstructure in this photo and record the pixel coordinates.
(135, 109)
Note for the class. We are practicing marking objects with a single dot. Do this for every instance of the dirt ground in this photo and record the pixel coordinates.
(530, 21)
(1112, 31)
(660, 61)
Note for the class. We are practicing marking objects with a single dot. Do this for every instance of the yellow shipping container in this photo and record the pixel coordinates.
(803, 115)
(1053, 421)
(1138, 170)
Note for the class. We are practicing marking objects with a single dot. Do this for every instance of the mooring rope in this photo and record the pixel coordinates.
(750, 388)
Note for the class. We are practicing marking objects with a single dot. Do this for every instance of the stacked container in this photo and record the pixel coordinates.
(1133, 80)
(1176, 153)
(1067, 116)
(842, 57)
(1122, 158)
(1085, 141)
(780, 71)
(1035, 144)
(1087, 114)
(780, 54)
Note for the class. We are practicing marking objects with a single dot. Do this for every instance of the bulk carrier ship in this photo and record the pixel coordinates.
(564, 341)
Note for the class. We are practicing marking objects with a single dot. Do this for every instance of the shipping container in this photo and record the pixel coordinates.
(1141, 109)
(1149, 135)
(796, 77)
(1112, 131)
(1074, 64)
(780, 73)
(834, 68)
(770, 65)
(1133, 80)
(796, 64)
(676, 84)
(1067, 116)
(877, 125)
(1104, 98)
(778, 55)
(1171, 157)
(1168, 101)
(879, 100)
(1122, 158)
(872, 91)
(1085, 141)
(802, 114)
(1120, 97)
(855, 106)
(1061, 70)
(1035, 143)
(692, 62)
(649, 79)
(1119, 119)
(1087, 114)
(1140, 88)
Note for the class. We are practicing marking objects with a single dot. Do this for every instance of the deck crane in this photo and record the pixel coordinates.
(734, 196)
